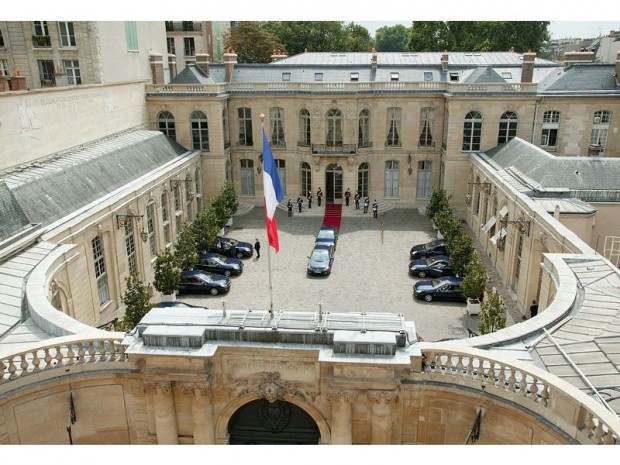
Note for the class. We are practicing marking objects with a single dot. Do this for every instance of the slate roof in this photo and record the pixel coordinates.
(13, 217)
(192, 74)
(485, 75)
(581, 77)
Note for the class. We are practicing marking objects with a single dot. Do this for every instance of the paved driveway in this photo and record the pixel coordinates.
(369, 272)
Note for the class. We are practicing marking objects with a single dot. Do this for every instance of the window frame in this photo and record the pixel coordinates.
(131, 36)
(189, 45)
(508, 126)
(166, 124)
(305, 128)
(424, 179)
(101, 274)
(248, 184)
(66, 33)
(391, 188)
(72, 70)
(427, 127)
(472, 131)
(334, 128)
(394, 125)
(306, 178)
(199, 127)
(363, 134)
(244, 117)
(550, 128)
(276, 123)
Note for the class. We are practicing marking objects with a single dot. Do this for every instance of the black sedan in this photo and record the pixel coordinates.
(216, 263)
(429, 249)
(327, 235)
(320, 260)
(202, 282)
(435, 267)
(232, 247)
(447, 288)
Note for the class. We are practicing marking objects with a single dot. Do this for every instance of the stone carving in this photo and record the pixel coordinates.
(543, 238)
(274, 416)
(386, 397)
(155, 387)
(342, 396)
(269, 386)
(202, 389)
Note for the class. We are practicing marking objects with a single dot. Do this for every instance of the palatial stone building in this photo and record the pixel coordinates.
(91, 190)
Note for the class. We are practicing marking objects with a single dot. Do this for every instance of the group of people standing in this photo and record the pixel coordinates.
(347, 198)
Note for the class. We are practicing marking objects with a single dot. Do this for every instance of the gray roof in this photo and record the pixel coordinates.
(545, 171)
(581, 77)
(485, 75)
(13, 217)
(192, 74)
(51, 189)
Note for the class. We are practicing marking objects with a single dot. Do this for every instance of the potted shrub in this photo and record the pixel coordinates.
(167, 275)
(492, 314)
(473, 285)
(437, 202)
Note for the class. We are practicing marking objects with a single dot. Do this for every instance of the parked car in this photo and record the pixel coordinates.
(327, 235)
(429, 249)
(231, 247)
(216, 263)
(446, 288)
(436, 266)
(196, 281)
(320, 260)
(175, 303)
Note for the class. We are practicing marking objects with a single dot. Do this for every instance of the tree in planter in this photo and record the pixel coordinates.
(185, 251)
(167, 273)
(137, 302)
(219, 208)
(461, 251)
(205, 229)
(475, 279)
(492, 314)
(448, 224)
(231, 201)
(437, 202)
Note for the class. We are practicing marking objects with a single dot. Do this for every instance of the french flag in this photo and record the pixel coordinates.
(274, 194)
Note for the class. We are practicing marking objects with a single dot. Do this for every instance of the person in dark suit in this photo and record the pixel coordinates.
(289, 207)
(319, 196)
(309, 199)
(357, 200)
(375, 209)
(257, 248)
(300, 202)
(366, 204)
(347, 197)
(533, 309)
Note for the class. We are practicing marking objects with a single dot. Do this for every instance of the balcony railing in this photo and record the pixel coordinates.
(343, 149)
(41, 41)
(183, 26)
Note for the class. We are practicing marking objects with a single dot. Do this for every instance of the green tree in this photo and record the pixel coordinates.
(461, 251)
(492, 314)
(448, 224)
(185, 251)
(392, 38)
(137, 302)
(205, 228)
(475, 279)
(167, 273)
(356, 38)
(438, 201)
(429, 36)
(252, 42)
(316, 36)
(231, 201)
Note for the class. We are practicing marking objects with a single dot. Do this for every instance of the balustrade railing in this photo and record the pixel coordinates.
(343, 149)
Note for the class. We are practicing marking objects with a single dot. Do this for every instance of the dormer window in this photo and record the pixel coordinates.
(428, 76)
(506, 74)
(355, 76)
(318, 76)
(393, 76)
(286, 76)
(454, 77)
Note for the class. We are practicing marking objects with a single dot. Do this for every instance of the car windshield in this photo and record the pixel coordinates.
(319, 254)
(437, 282)
(430, 261)
(220, 259)
(325, 234)
(207, 276)
(233, 242)
(430, 245)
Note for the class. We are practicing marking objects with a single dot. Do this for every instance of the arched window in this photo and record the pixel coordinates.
(225, 128)
(200, 131)
(334, 128)
(472, 131)
(363, 137)
(550, 127)
(247, 177)
(276, 122)
(165, 123)
(393, 127)
(363, 172)
(392, 176)
(306, 179)
(507, 127)
(101, 275)
(427, 125)
(281, 165)
(165, 217)
(304, 128)
(150, 228)
(600, 129)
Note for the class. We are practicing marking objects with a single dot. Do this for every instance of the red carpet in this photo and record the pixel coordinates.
(333, 215)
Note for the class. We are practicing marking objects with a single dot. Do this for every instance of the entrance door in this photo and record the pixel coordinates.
(261, 422)
(333, 183)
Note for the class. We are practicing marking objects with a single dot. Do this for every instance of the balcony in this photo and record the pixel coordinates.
(183, 26)
(341, 149)
(41, 41)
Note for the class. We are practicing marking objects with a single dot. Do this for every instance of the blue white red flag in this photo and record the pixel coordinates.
(274, 194)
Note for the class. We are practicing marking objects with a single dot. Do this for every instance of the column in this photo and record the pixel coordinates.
(202, 412)
(164, 410)
(342, 416)
(381, 415)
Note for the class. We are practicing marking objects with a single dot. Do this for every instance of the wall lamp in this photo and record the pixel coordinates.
(522, 226)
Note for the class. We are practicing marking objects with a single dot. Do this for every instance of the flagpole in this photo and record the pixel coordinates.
(262, 127)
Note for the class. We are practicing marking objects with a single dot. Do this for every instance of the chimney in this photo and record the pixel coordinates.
(172, 64)
(512, 50)
(157, 67)
(202, 62)
(18, 82)
(527, 68)
(278, 55)
(444, 61)
(373, 59)
(618, 69)
(230, 60)
(578, 57)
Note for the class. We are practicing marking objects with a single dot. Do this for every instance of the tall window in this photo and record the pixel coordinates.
(46, 73)
(200, 131)
(225, 128)
(247, 177)
(276, 122)
(425, 171)
(426, 127)
(4, 67)
(518, 261)
(306, 179)
(101, 276)
(492, 230)
(304, 128)
(130, 247)
(245, 126)
(188, 47)
(507, 127)
(189, 196)
(393, 127)
(170, 45)
(72, 68)
(600, 128)
(178, 213)
(551, 124)
(478, 197)
(363, 134)
(362, 179)
(131, 35)
(334, 128)
(472, 131)
(165, 123)
(165, 218)
(392, 176)
(67, 36)
(1, 39)
(150, 228)
(40, 28)
(281, 165)
(197, 189)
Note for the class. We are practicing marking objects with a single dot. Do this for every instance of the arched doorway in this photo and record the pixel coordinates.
(280, 422)
(333, 183)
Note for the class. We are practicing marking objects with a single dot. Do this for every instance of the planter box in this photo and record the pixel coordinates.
(473, 306)
(168, 297)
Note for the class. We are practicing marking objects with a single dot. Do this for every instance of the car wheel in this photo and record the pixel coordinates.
(422, 274)
(227, 273)
(214, 291)
(239, 255)
(428, 297)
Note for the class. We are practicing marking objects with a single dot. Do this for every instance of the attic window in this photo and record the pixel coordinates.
(393, 76)
(318, 76)
(428, 76)
(454, 77)
(286, 76)
(506, 74)
(355, 76)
